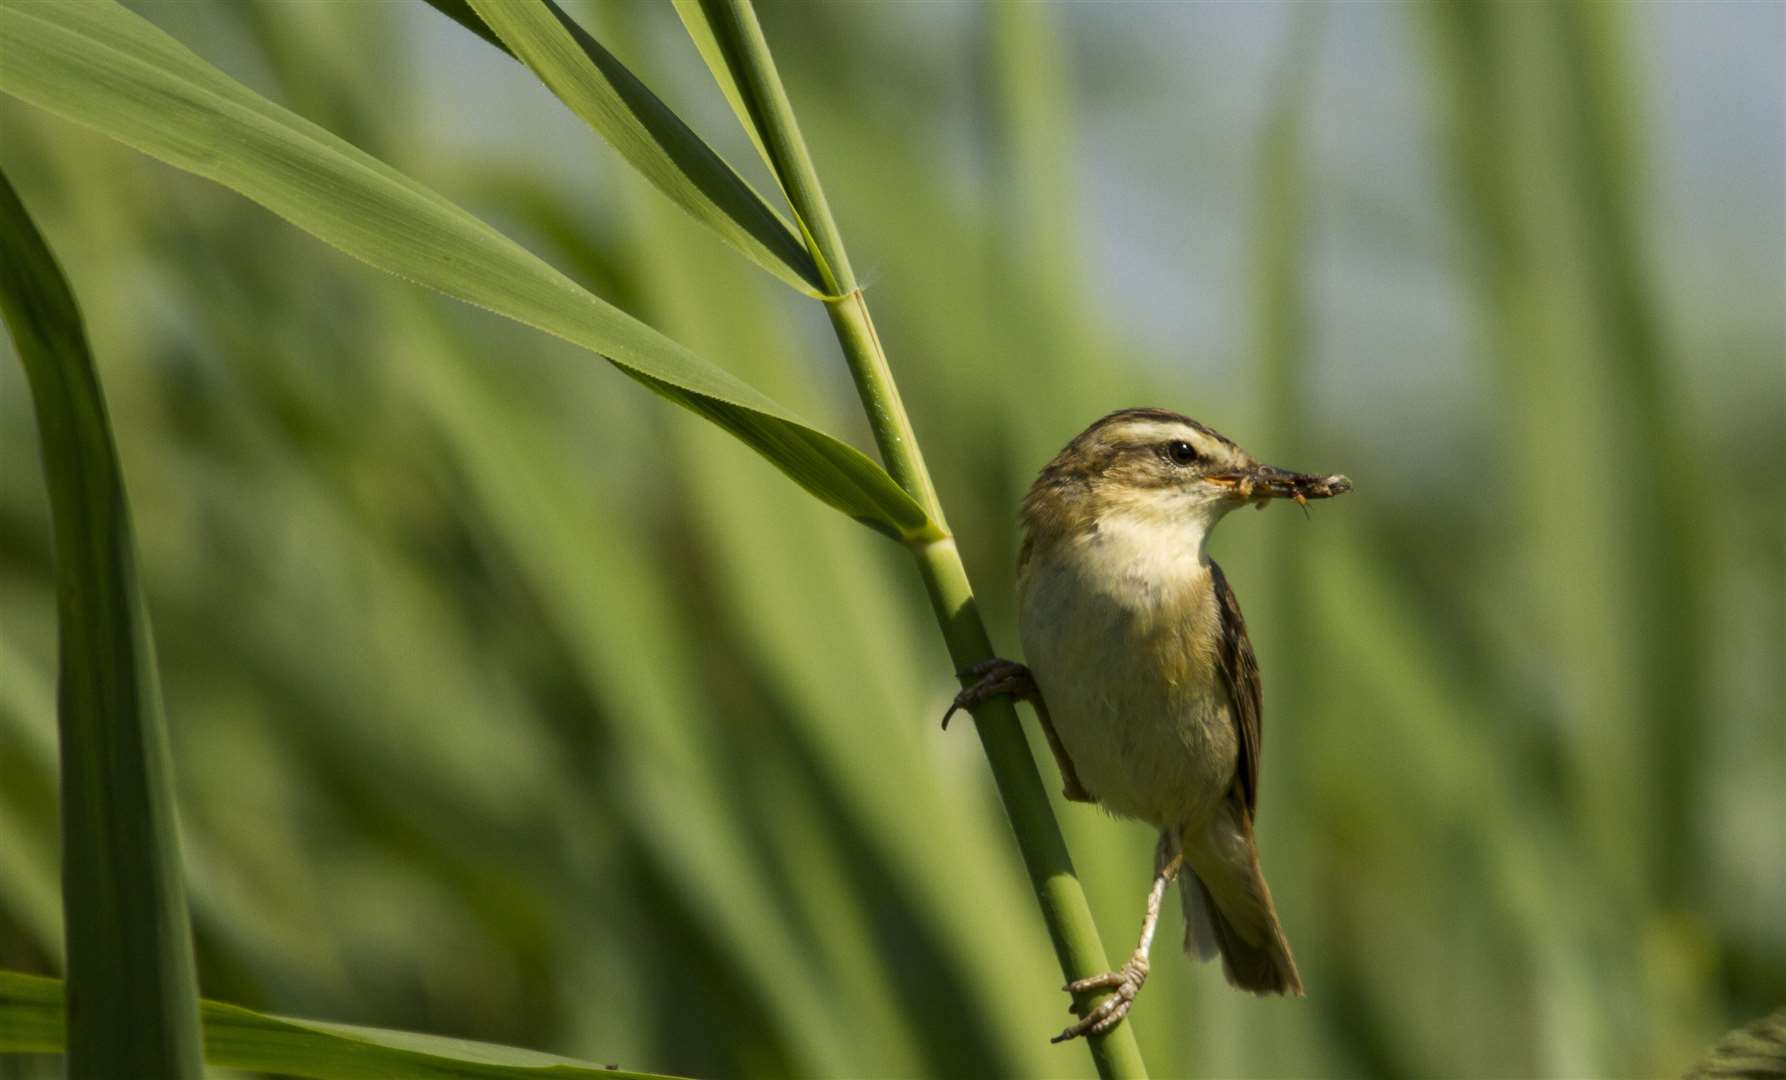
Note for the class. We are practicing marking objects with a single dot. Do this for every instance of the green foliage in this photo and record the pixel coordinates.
(129, 945)
(632, 120)
(508, 703)
(31, 1021)
(108, 68)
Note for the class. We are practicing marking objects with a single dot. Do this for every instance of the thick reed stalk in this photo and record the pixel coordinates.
(1019, 785)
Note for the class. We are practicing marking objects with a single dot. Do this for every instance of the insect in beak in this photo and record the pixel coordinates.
(1264, 482)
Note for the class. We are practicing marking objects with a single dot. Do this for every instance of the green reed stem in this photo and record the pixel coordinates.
(1039, 839)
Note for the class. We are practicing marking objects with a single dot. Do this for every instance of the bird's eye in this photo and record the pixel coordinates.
(1180, 452)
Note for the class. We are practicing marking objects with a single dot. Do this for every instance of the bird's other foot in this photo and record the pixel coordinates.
(1126, 982)
(992, 678)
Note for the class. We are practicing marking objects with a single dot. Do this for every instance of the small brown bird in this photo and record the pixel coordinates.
(1144, 680)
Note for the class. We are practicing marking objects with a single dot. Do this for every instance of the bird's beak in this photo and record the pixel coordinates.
(1262, 482)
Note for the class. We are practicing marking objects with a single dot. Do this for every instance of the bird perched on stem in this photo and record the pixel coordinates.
(1144, 680)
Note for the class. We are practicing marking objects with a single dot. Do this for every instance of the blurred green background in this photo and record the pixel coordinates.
(510, 702)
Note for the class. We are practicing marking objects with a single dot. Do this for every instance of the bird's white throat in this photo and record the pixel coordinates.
(1148, 558)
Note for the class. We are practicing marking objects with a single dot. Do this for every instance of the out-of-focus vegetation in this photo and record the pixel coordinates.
(35, 1018)
(510, 703)
(127, 934)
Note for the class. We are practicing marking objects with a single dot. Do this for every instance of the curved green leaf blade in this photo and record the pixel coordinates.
(129, 942)
(31, 1010)
(100, 65)
(621, 109)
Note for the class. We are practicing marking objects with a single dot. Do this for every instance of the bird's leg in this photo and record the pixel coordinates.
(1070, 787)
(995, 677)
(1126, 981)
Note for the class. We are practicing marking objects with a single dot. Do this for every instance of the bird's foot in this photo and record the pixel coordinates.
(995, 677)
(992, 678)
(1126, 982)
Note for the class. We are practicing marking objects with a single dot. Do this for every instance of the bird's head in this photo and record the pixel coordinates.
(1150, 468)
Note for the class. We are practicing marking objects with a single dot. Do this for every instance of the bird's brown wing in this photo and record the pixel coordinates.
(1240, 670)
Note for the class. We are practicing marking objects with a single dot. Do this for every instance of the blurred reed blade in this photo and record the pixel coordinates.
(129, 942)
(1562, 279)
(621, 109)
(237, 1038)
(103, 66)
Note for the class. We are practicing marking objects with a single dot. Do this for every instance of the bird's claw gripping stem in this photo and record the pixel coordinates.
(995, 677)
(991, 679)
(1126, 981)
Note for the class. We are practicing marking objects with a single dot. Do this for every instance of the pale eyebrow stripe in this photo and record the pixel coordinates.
(1152, 432)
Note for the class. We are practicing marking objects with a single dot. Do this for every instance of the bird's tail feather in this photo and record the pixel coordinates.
(1228, 910)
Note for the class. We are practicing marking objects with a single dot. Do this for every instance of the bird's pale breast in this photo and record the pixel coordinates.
(1122, 632)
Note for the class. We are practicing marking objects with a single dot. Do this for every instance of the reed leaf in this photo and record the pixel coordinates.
(107, 68)
(128, 938)
(700, 31)
(31, 1009)
(667, 152)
